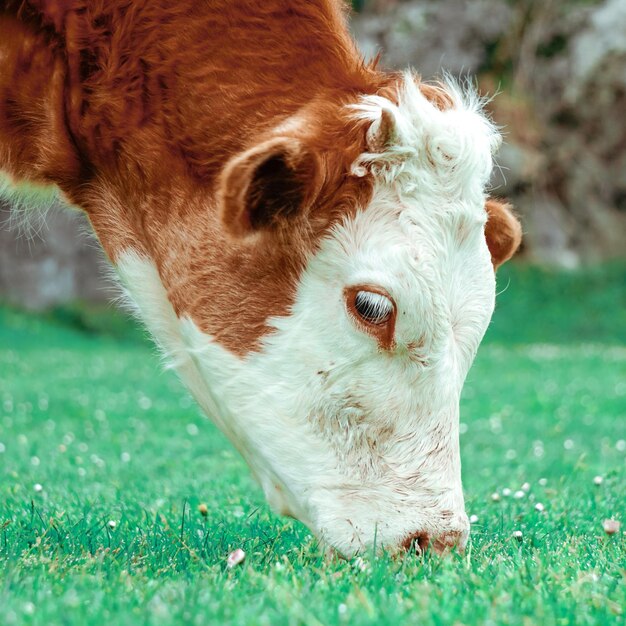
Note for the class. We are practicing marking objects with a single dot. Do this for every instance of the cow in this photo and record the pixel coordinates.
(308, 238)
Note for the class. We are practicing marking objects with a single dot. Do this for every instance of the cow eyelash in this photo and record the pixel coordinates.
(373, 308)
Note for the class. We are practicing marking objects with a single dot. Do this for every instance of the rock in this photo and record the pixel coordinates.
(604, 37)
(432, 35)
(517, 167)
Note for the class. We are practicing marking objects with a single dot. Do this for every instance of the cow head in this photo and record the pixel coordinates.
(321, 284)
(347, 406)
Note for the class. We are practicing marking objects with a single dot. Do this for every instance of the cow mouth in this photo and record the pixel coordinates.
(414, 544)
(444, 542)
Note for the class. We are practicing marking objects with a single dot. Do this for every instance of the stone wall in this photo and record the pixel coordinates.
(52, 261)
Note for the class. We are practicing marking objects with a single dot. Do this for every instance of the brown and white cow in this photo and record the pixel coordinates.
(307, 238)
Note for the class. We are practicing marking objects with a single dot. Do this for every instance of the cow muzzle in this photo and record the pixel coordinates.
(453, 536)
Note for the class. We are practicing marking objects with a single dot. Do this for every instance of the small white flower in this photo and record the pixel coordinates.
(238, 512)
(2, 448)
(597, 480)
(506, 492)
(29, 608)
(125, 457)
(526, 487)
(611, 526)
(236, 557)
(517, 534)
(473, 519)
(543, 482)
(144, 403)
(519, 494)
(495, 496)
(568, 444)
(539, 507)
(192, 430)
(112, 524)
(360, 564)
(620, 445)
(342, 609)
(37, 487)
(35, 461)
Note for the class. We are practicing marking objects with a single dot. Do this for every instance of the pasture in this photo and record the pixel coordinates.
(105, 460)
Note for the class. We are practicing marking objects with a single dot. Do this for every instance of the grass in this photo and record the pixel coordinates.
(104, 460)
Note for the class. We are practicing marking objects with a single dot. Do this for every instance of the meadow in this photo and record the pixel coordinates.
(105, 461)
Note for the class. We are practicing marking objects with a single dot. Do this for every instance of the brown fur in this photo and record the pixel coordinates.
(149, 113)
(502, 231)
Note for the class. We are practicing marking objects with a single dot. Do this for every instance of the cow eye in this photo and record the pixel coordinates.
(374, 312)
(372, 307)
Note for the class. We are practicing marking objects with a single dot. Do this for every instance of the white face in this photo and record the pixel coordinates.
(356, 438)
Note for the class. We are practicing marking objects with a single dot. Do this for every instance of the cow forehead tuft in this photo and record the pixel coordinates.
(433, 148)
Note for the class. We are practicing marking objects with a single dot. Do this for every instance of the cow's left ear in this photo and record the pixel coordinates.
(503, 231)
(268, 186)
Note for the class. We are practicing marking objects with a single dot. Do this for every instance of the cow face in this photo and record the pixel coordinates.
(318, 268)
(347, 410)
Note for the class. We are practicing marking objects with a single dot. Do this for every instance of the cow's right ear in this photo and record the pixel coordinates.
(268, 186)
(503, 231)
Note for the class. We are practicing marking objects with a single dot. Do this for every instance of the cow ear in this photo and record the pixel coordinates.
(268, 186)
(502, 231)
(380, 134)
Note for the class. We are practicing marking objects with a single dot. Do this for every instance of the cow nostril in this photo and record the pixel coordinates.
(421, 543)
(417, 542)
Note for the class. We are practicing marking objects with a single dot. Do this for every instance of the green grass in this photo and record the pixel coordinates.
(87, 413)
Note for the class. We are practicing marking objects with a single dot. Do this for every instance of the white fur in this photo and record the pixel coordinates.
(358, 443)
(450, 150)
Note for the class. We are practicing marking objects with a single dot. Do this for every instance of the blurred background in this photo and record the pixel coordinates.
(558, 68)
